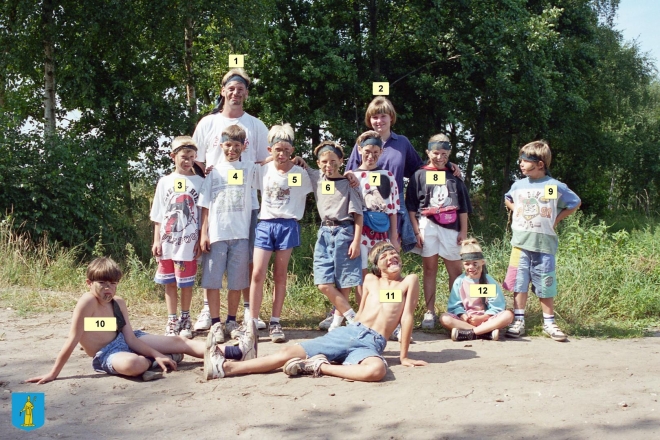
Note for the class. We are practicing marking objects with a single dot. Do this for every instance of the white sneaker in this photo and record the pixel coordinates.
(230, 326)
(396, 335)
(261, 325)
(333, 326)
(327, 322)
(554, 332)
(184, 328)
(516, 329)
(216, 335)
(203, 320)
(239, 331)
(172, 328)
(248, 342)
(213, 362)
(429, 321)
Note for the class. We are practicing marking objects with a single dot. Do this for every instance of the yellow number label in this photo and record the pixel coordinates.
(179, 185)
(483, 291)
(374, 179)
(108, 324)
(328, 188)
(381, 88)
(295, 179)
(550, 192)
(391, 296)
(236, 60)
(435, 177)
(235, 177)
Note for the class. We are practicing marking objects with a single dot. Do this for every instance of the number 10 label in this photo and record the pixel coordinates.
(106, 324)
(483, 290)
(391, 296)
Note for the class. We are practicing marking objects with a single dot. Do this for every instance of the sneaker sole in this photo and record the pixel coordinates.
(210, 340)
(287, 366)
(208, 369)
(278, 339)
(199, 328)
(556, 338)
(151, 375)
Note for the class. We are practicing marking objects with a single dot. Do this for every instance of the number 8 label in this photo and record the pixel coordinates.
(435, 178)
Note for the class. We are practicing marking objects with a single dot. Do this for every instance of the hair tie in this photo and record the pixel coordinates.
(236, 77)
(372, 141)
(330, 148)
(438, 145)
(277, 139)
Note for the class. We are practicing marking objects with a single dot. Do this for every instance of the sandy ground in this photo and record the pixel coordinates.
(528, 388)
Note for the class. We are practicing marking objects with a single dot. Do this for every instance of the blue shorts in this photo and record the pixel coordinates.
(537, 267)
(331, 262)
(253, 230)
(228, 256)
(348, 345)
(277, 234)
(102, 361)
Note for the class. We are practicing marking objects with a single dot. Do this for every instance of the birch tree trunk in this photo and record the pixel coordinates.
(49, 66)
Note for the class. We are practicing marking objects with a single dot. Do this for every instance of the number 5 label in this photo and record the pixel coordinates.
(391, 296)
(236, 60)
(550, 192)
(106, 324)
(328, 188)
(483, 290)
(235, 177)
(179, 185)
(435, 177)
(295, 179)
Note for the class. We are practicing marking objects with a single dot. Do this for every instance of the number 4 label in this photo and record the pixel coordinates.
(328, 188)
(295, 179)
(483, 290)
(391, 296)
(550, 192)
(235, 177)
(105, 324)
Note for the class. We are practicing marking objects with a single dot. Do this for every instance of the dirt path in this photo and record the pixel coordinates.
(529, 388)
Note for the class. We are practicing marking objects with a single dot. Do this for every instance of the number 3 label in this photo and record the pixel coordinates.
(550, 192)
(295, 179)
(483, 290)
(235, 177)
(391, 296)
(179, 185)
(327, 187)
(105, 324)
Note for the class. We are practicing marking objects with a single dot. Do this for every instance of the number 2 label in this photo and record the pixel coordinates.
(381, 88)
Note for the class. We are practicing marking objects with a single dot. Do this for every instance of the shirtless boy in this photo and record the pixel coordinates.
(126, 352)
(358, 347)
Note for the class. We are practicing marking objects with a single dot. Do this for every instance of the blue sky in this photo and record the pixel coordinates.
(638, 20)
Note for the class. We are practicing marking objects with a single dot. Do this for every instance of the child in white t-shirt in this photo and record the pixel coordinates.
(283, 187)
(176, 233)
(226, 203)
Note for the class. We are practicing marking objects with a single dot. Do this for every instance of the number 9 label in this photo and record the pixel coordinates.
(550, 192)
(483, 291)
(295, 179)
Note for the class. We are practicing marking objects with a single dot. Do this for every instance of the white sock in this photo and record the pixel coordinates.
(349, 315)
(274, 320)
(519, 314)
(337, 320)
(548, 319)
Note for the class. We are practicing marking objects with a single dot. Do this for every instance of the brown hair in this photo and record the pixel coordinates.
(379, 105)
(370, 134)
(374, 255)
(104, 269)
(329, 144)
(235, 133)
(236, 71)
(540, 149)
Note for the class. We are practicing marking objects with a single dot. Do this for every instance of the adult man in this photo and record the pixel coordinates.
(358, 346)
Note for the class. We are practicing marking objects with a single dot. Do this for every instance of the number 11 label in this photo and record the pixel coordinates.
(483, 290)
(391, 296)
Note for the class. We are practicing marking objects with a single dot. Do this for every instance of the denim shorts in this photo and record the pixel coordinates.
(277, 234)
(348, 345)
(102, 361)
(331, 262)
(535, 267)
(230, 256)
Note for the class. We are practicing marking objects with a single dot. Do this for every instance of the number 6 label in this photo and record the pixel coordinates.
(391, 296)
(295, 179)
(105, 324)
(328, 187)
(483, 290)
(550, 192)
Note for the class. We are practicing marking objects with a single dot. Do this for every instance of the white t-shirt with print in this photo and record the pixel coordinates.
(175, 208)
(278, 199)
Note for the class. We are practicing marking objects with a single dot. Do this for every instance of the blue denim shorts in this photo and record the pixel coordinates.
(102, 361)
(331, 262)
(277, 234)
(348, 345)
(228, 256)
(535, 267)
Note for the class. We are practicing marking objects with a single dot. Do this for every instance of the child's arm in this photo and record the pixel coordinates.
(83, 308)
(509, 204)
(565, 213)
(497, 304)
(354, 248)
(204, 241)
(141, 347)
(455, 303)
(415, 226)
(394, 232)
(407, 319)
(157, 247)
(462, 234)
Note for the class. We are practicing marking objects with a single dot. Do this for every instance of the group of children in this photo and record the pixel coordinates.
(211, 217)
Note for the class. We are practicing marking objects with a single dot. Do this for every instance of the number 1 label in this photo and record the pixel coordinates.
(550, 192)
(236, 60)
(235, 177)
(295, 179)
(105, 324)
(483, 290)
(391, 296)
(328, 188)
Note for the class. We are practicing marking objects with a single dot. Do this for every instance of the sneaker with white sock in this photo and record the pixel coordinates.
(516, 329)
(213, 363)
(203, 320)
(327, 322)
(184, 328)
(276, 333)
(172, 328)
(429, 321)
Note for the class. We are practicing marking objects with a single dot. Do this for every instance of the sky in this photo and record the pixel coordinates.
(638, 20)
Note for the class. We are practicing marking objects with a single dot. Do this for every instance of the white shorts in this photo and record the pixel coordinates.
(438, 241)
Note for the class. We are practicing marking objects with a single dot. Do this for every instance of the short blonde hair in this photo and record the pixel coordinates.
(236, 71)
(183, 142)
(469, 246)
(379, 105)
(539, 149)
(280, 133)
(104, 269)
(371, 134)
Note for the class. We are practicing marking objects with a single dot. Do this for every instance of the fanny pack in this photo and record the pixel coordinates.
(377, 221)
(443, 216)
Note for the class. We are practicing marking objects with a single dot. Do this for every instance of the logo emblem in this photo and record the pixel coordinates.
(28, 410)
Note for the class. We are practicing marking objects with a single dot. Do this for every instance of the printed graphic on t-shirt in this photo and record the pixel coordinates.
(378, 198)
(443, 196)
(276, 196)
(180, 218)
(228, 198)
(531, 208)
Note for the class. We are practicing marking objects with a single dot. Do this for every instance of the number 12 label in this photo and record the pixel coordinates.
(391, 296)
(106, 324)
(235, 177)
(295, 179)
(483, 290)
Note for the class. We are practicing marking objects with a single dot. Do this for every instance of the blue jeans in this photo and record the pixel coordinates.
(348, 345)
(331, 262)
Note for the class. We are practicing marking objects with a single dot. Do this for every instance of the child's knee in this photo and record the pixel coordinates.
(131, 365)
(446, 319)
(377, 371)
(507, 317)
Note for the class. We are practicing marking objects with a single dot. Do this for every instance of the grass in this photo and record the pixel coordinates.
(609, 278)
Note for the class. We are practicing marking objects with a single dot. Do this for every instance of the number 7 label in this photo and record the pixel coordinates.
(374, 179)
(483, 291)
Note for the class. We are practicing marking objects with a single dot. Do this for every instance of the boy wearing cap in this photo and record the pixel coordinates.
(176, 233)
(226, 202)
(539, 203)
